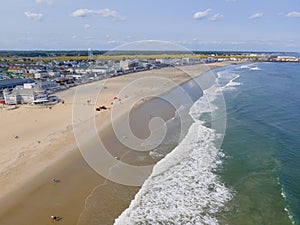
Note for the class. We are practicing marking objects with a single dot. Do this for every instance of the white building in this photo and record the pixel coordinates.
(21, 95)
(287, 59)
(39, 75)
(98, 70)
(124, 64)
(53, 74)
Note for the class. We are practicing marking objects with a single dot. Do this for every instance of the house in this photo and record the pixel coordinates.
(53, 74)
(40, 75)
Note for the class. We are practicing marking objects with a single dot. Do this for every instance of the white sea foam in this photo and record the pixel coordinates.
(155, 154)
(247, 66)
(250, 67)
(287, 207)
(183, 188)
(232, 82)
(255, 68)
(244, 67)
(205, 103)
(227, 79)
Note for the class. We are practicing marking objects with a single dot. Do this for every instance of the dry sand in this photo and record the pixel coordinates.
(46, 141)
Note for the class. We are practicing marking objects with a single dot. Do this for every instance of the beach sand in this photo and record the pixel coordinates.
(38, 144)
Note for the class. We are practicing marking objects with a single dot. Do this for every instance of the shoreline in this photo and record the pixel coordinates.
(57, 161)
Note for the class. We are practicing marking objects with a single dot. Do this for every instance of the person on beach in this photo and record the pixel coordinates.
(54, 218)
(55, 180)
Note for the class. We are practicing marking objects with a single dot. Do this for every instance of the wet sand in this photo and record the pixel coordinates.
(34, 197)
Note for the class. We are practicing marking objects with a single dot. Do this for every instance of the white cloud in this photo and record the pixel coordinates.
(201, 14)
(293, 14)
(216, 17)
(44, 1)
(87, 26)
(101, 12)
(256, 15)
(34, 16)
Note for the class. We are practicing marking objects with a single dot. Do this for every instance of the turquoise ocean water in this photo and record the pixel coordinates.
(262, 144)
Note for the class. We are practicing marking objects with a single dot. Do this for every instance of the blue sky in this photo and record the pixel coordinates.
(245, 25)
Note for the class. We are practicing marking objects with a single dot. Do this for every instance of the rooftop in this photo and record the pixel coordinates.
(13, 82)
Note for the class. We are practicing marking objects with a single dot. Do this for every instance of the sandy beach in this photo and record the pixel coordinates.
(38, 144)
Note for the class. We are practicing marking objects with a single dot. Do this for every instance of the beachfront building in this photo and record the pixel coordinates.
(29, 93)
(131, 65)
(124, 64)
(287, 59)
(99, 70)
(47, 85)
(12, 83)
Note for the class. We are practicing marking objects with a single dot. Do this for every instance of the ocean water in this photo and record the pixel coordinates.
(262, 145)
(248, 175)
